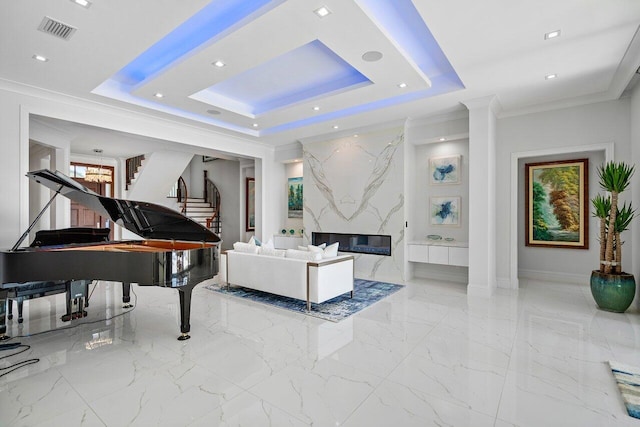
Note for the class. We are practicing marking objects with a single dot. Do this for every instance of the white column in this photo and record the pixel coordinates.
(482, 197)
(635, 187)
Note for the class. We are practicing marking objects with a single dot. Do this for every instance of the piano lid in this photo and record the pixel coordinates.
(147, 220)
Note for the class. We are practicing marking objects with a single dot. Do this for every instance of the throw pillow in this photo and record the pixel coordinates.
(305, 255)
(303, 248)
(273, 252)
(269, 244)
(252, 241)
(331, 251)
(245, 247)
(318, 248)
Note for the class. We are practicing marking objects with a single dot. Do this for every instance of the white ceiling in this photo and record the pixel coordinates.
(273, 78)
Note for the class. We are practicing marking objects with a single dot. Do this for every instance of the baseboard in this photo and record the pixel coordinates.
(474, 290)
(552, 276)
(447, 277)
(504, 283)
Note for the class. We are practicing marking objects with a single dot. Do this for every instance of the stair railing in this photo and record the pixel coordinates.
(212, 196)
(132, 166)
(182, 194)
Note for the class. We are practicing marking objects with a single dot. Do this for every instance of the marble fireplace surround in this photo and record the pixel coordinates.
(372, 244)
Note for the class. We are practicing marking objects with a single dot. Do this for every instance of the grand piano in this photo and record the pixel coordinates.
(176, 252)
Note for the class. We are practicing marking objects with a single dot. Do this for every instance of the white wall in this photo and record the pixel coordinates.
(159, 172)
(594, 124)
(574, 265)
(635, 188)
(356, 185)
(425, 190)
(225, 174)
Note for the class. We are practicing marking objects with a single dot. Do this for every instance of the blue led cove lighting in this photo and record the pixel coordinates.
(211, 23)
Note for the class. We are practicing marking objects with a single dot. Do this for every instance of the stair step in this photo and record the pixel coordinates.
(200, 209)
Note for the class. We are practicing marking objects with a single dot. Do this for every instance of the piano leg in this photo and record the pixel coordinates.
(20, 306)
(185, 311)
(126, 295)
(67, 317)
(3, 311)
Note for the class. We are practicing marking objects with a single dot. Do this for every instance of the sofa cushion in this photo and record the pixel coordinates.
(269, 244)
(331, 250)
(328, 252)
(246, 247)
(306, 255)
(272, 252)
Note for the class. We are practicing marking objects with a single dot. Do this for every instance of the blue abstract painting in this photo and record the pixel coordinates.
(445, 210)
(444, 170)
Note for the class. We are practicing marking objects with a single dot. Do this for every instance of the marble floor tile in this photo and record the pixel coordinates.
(474, 385)
(427, 355)
(247, 410)
(393, 404)
(325, 394)
(524, 397)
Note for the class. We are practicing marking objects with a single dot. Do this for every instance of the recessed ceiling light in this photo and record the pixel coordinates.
(355, 136)
(213, 112)
(402, 85)
(322, 11)
(372, 56)
(83, 3)
(219, 64)
(158, 95)
(443, 139)
(255, 125)
(335, 126)
(550, 76)
(316, 108)
(40, 58)
(552, 35)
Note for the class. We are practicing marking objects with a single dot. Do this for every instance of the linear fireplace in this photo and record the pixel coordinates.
(375, 244)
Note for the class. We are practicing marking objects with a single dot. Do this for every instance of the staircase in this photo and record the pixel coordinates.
(200, 211)
(205, 211)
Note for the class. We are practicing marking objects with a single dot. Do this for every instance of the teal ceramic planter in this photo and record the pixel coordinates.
(613, 292)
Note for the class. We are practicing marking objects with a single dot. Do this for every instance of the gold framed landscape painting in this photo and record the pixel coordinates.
(557, 204)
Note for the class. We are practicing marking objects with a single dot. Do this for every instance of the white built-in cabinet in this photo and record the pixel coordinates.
(447, 253)
(286, 242)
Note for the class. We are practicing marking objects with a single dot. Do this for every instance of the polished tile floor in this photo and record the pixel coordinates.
(426, 356)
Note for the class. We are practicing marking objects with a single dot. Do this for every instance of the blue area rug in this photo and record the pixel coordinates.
(628, 379)
(366, 293)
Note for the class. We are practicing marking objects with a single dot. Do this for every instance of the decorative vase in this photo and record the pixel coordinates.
(613, 292)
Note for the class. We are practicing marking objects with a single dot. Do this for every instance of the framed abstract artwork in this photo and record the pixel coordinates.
(557, 204)
(445, 210)
(444, 170)
(250, 204)
(294, 197)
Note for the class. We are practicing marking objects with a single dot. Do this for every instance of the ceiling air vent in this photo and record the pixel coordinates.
(56, 28)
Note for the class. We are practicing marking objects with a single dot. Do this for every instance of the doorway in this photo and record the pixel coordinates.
(80, 215)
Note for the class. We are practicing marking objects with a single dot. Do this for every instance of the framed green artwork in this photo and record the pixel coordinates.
(557, 204)
(294, 197)
(250, 204)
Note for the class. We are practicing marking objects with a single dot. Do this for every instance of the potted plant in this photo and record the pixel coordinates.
(613, 289)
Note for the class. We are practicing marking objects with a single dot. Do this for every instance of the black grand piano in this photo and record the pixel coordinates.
(176, 252)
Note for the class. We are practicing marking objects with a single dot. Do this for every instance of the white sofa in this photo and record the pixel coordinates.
(310, 281)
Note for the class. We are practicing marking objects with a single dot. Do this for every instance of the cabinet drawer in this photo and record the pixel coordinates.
(459, 256)
(438, 255)
(418, 253)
